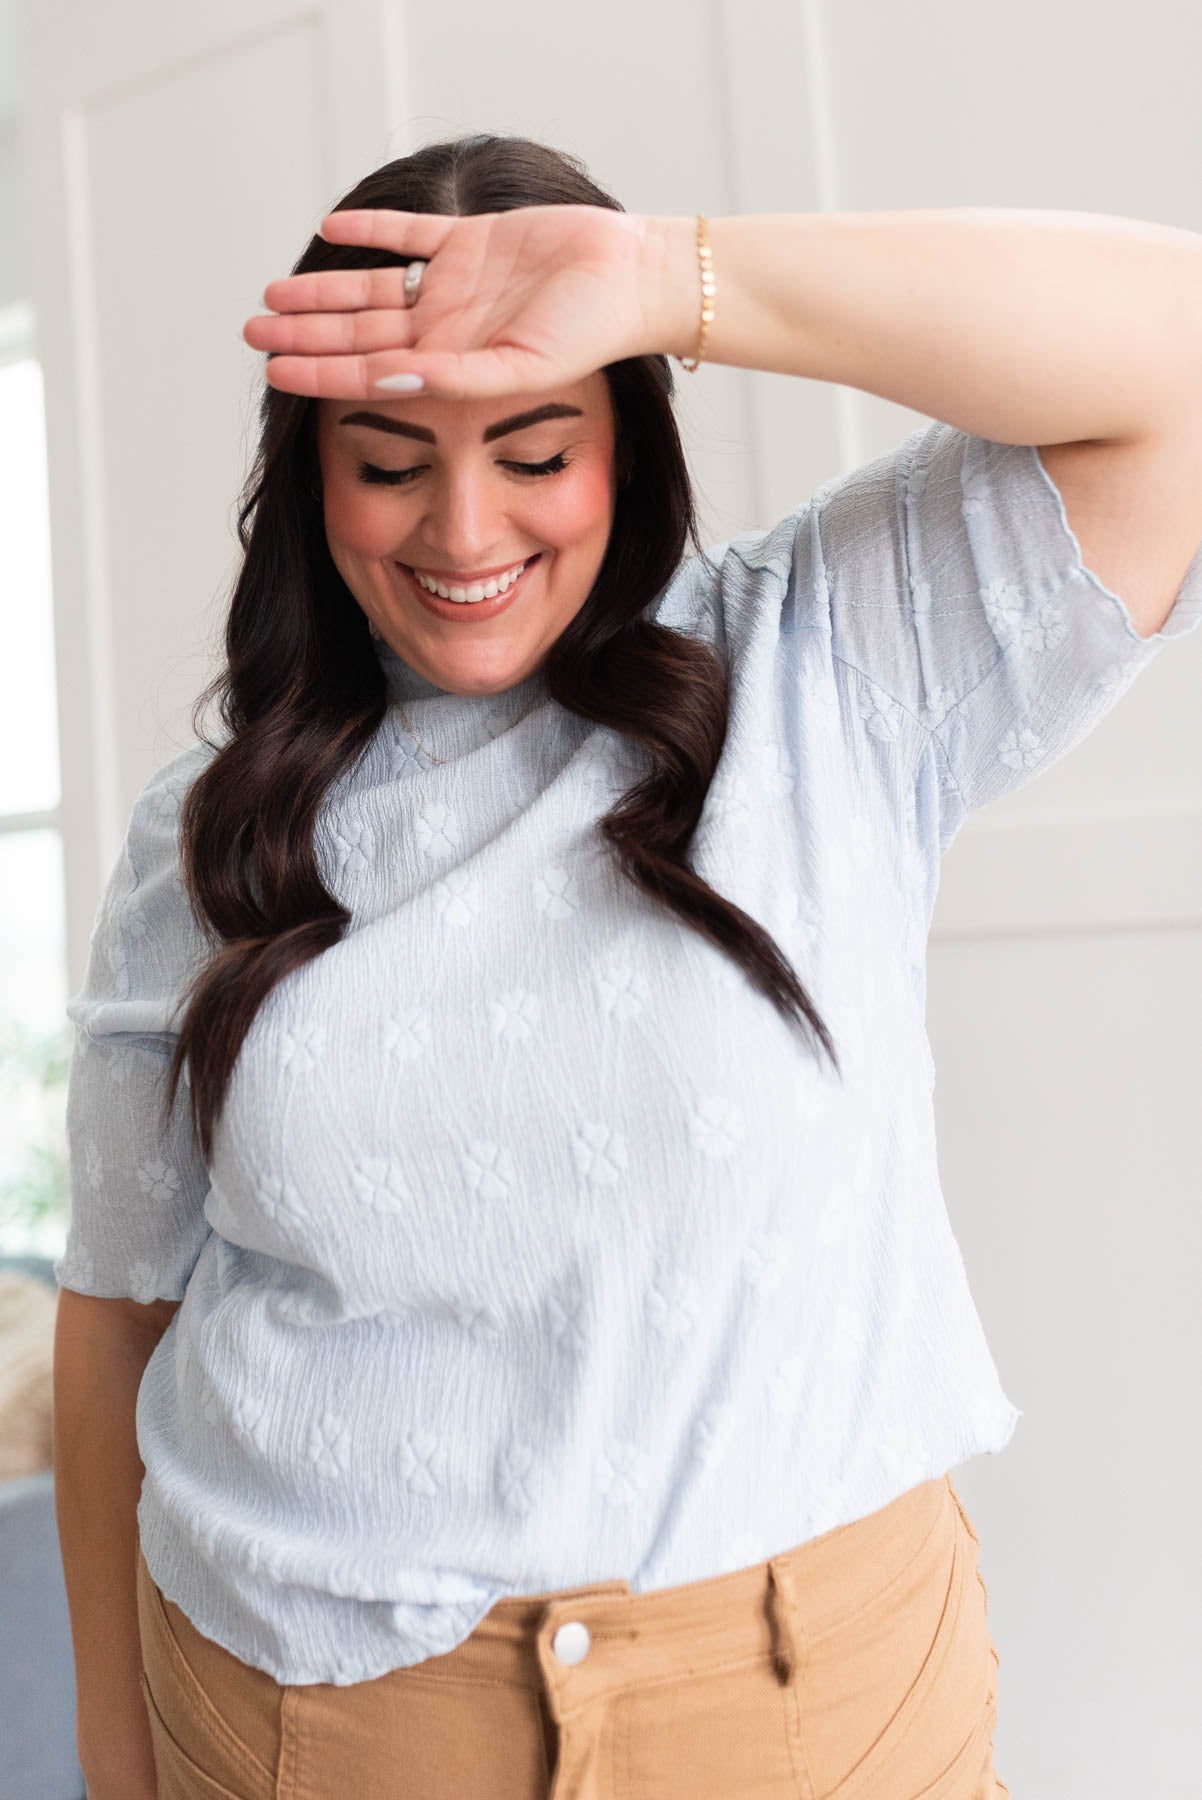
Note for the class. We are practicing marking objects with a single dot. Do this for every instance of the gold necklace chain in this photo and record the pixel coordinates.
(441, 760)
(413, 734)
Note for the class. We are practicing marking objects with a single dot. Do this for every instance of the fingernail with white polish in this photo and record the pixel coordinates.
(401, 384)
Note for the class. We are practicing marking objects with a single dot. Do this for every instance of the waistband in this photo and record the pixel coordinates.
(697, 1626)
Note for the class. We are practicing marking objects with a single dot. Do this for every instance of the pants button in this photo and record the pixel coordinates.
(571, 1642)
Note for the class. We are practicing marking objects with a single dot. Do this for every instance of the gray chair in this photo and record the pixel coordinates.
(37, 1666)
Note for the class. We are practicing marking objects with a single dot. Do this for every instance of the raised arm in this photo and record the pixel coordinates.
(1077, 331)
(1080, 333)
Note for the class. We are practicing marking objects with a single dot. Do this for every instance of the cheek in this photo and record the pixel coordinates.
(572, 510)
(360, 519)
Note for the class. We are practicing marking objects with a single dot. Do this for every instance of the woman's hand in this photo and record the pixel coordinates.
(510, 302)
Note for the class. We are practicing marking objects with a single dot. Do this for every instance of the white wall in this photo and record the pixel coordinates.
(14, 238)
(180, 157)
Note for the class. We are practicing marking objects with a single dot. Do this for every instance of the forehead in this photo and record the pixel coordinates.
(465, 421)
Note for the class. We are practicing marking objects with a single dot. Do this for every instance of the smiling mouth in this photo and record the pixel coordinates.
(522, 569)
(461, 611)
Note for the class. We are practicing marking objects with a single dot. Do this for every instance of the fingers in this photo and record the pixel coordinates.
(323, 377)
(336, 290)
(383, 228)
(346, 290)
(325, 334)
(450, 374)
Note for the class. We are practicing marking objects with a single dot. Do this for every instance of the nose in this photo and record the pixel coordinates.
(467, 525)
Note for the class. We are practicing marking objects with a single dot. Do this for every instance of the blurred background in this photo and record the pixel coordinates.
(158, 165)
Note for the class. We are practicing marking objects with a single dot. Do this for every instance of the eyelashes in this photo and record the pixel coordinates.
(368, 472)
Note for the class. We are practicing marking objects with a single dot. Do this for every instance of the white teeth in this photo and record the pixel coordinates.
(479, 590)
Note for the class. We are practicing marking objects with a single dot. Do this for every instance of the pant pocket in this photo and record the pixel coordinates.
(190, 1729)
(178, 1777)
(902, 1700)
(969, 1775)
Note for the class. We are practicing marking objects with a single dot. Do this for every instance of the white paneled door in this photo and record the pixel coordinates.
(178, 159)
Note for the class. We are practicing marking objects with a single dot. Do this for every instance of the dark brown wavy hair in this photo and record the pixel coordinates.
(302, 691)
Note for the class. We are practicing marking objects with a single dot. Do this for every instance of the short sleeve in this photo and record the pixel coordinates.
(979, 647)
(137, 1193)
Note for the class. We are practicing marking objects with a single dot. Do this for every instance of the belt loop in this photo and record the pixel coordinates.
(785, 1655)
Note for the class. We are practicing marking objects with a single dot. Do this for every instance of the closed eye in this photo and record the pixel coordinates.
(395, 477)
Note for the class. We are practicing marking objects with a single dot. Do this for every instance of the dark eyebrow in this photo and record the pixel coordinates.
(554, 409)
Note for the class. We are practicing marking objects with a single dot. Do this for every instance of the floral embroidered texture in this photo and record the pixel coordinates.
(538, 1248)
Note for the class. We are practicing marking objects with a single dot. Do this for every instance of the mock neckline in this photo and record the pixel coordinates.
(407, 686)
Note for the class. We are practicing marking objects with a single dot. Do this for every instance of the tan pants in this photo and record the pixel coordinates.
(858, 1666)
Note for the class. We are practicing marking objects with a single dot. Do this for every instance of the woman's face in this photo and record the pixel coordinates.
(463, 510)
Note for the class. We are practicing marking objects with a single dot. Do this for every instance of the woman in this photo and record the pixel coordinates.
(572, 1349)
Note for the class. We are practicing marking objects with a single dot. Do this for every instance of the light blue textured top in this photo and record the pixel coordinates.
(536, 1248)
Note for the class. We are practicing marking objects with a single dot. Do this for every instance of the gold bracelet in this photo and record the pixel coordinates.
(708, 290)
